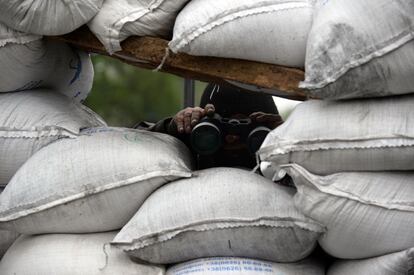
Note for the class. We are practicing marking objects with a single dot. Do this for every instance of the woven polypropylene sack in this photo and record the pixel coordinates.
(48, 17)
(327, 137)
(93, 183)
(66, 254)
(360, 48)
(119, 19)
(220, 211)
(31, 120)
(399, 263)
(366, 214)
(27, 62)
(271, 31)
(244, 266)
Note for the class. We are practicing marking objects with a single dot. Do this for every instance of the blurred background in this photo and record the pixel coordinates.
(125, 95)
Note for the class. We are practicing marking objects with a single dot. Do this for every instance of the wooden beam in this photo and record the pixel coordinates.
(150, 52)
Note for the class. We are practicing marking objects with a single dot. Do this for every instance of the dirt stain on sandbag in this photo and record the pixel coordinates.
(330, 52)
(342, 50)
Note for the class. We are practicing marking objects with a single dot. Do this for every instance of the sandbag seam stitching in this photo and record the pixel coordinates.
(390, 45)
(322, 147)
(328, 191)
(146, 241)
(94, 191)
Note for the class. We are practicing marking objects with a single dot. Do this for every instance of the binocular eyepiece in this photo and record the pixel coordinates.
(208, 135)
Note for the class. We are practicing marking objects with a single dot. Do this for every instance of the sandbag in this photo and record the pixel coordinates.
(243, 266)
(360, 48)
(66, 254)
(327, 137)
(119, 19)
(48, 17)
(220, 211)
(400, 263)
(270, 31)
(31, 120)
(29, 63)
(367, 214)
(93, 183)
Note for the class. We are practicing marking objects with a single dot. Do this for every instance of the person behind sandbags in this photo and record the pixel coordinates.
(226, 130)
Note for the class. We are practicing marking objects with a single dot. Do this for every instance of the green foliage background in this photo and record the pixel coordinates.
(125, 95)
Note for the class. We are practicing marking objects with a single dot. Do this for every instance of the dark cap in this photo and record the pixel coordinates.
(229, 100)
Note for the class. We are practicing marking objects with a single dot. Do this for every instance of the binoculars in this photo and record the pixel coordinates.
(208, 135)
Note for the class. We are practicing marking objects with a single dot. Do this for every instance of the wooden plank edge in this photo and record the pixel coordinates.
(150, 52)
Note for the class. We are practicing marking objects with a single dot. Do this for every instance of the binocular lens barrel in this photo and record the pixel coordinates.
(256, 138)
(206, 138)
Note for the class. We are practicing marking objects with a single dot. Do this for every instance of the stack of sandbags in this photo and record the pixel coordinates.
(35, 77)
(360, 48)
(352, 161)
(29, 121)
(64, 254)
(34, 114)
(119, 19)
(270, 31)
(221, 212)
(48, 17)
(93, 183)
(28, 62)
(326, 137)
(89, 184)
(346, 159)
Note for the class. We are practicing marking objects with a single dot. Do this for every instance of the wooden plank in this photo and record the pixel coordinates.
(150, 52)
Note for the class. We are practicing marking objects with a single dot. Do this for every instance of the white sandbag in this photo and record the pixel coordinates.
(47, 17)
(29, 63)
(327, 137)
(31, 120)
(367, 214)
(63, 254)
(271, 31)
(220, 211)
(361, 48)
(400, 263)
(119, 19)
(93, 183)
(243, 266)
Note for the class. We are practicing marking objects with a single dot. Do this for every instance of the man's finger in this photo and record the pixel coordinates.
(210, 109)
(187, 120)
(253, 116)
(179, 121)
(196, 116)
